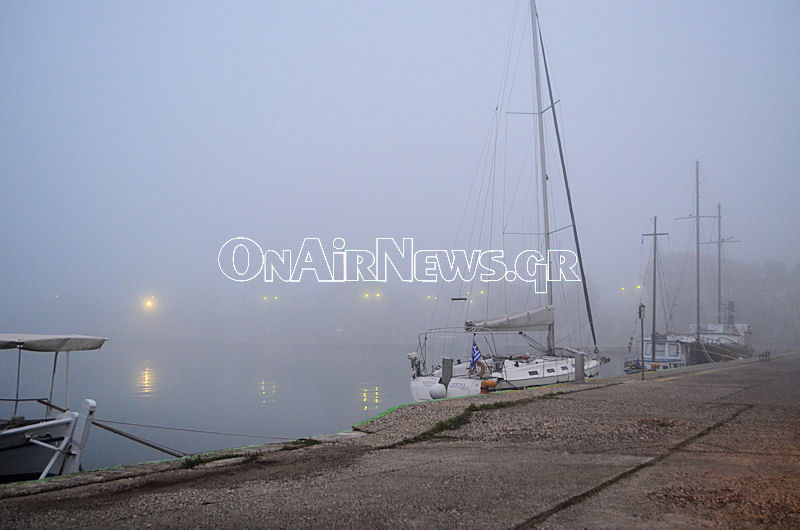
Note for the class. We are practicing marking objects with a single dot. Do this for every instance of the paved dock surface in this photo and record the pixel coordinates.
(706, 446)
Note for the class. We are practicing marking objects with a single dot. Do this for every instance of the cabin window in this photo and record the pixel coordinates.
(533, 372)
(563, 367)
(551, 370)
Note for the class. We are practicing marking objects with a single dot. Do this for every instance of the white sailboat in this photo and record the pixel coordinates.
(535, 363)
(35, 448)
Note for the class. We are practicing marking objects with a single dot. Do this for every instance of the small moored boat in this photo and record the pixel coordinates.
(35, 448)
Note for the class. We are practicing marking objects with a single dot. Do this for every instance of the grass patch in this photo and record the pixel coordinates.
(450, 423)
(299, 444)
(503, 404)
(445, 425)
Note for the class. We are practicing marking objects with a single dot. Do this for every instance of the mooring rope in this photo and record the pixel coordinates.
(240, 435)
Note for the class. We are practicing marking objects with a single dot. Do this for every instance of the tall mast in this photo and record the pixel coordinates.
(542, 161)
(655, 235)
(697, 218)
(697, 243)
(719, 242)
(719, 263)
(569, 195)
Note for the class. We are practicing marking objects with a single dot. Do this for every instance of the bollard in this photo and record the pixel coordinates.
(579, 375)
(447, 371)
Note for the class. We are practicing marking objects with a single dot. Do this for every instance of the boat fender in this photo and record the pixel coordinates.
(438, 391)
(486, 385)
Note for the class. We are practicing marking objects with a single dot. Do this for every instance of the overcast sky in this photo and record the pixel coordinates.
(137, 137)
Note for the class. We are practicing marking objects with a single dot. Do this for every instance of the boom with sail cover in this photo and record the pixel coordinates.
(539, 319)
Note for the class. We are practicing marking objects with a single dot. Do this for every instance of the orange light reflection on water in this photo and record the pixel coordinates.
(370, 398)
(146, 383)
(269, 393)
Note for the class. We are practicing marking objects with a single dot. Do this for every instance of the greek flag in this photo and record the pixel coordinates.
(476, 356)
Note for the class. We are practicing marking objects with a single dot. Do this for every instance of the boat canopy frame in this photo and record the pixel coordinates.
(46, 344)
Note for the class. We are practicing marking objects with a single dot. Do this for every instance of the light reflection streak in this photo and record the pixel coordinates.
(269, 393)
(370, 398)
(146, 383)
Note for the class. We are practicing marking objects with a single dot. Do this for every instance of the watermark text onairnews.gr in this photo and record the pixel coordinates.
(241, 259)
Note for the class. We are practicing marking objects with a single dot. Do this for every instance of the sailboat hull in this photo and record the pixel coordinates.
(547, 372)
(703, 352)
(514, 375)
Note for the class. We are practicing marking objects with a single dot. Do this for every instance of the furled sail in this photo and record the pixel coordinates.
(539, 319)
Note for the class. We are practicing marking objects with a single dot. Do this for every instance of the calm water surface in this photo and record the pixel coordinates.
(268, 392)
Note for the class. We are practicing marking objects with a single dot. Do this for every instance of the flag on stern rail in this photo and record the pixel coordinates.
(476, 356)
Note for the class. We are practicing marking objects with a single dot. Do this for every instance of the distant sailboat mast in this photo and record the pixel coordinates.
(696, 218)
(719, 242)
(719, 263)
(542, 162)
(655, 235)
(697, 243)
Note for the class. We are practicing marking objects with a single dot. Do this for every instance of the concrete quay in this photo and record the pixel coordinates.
(705, 446)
